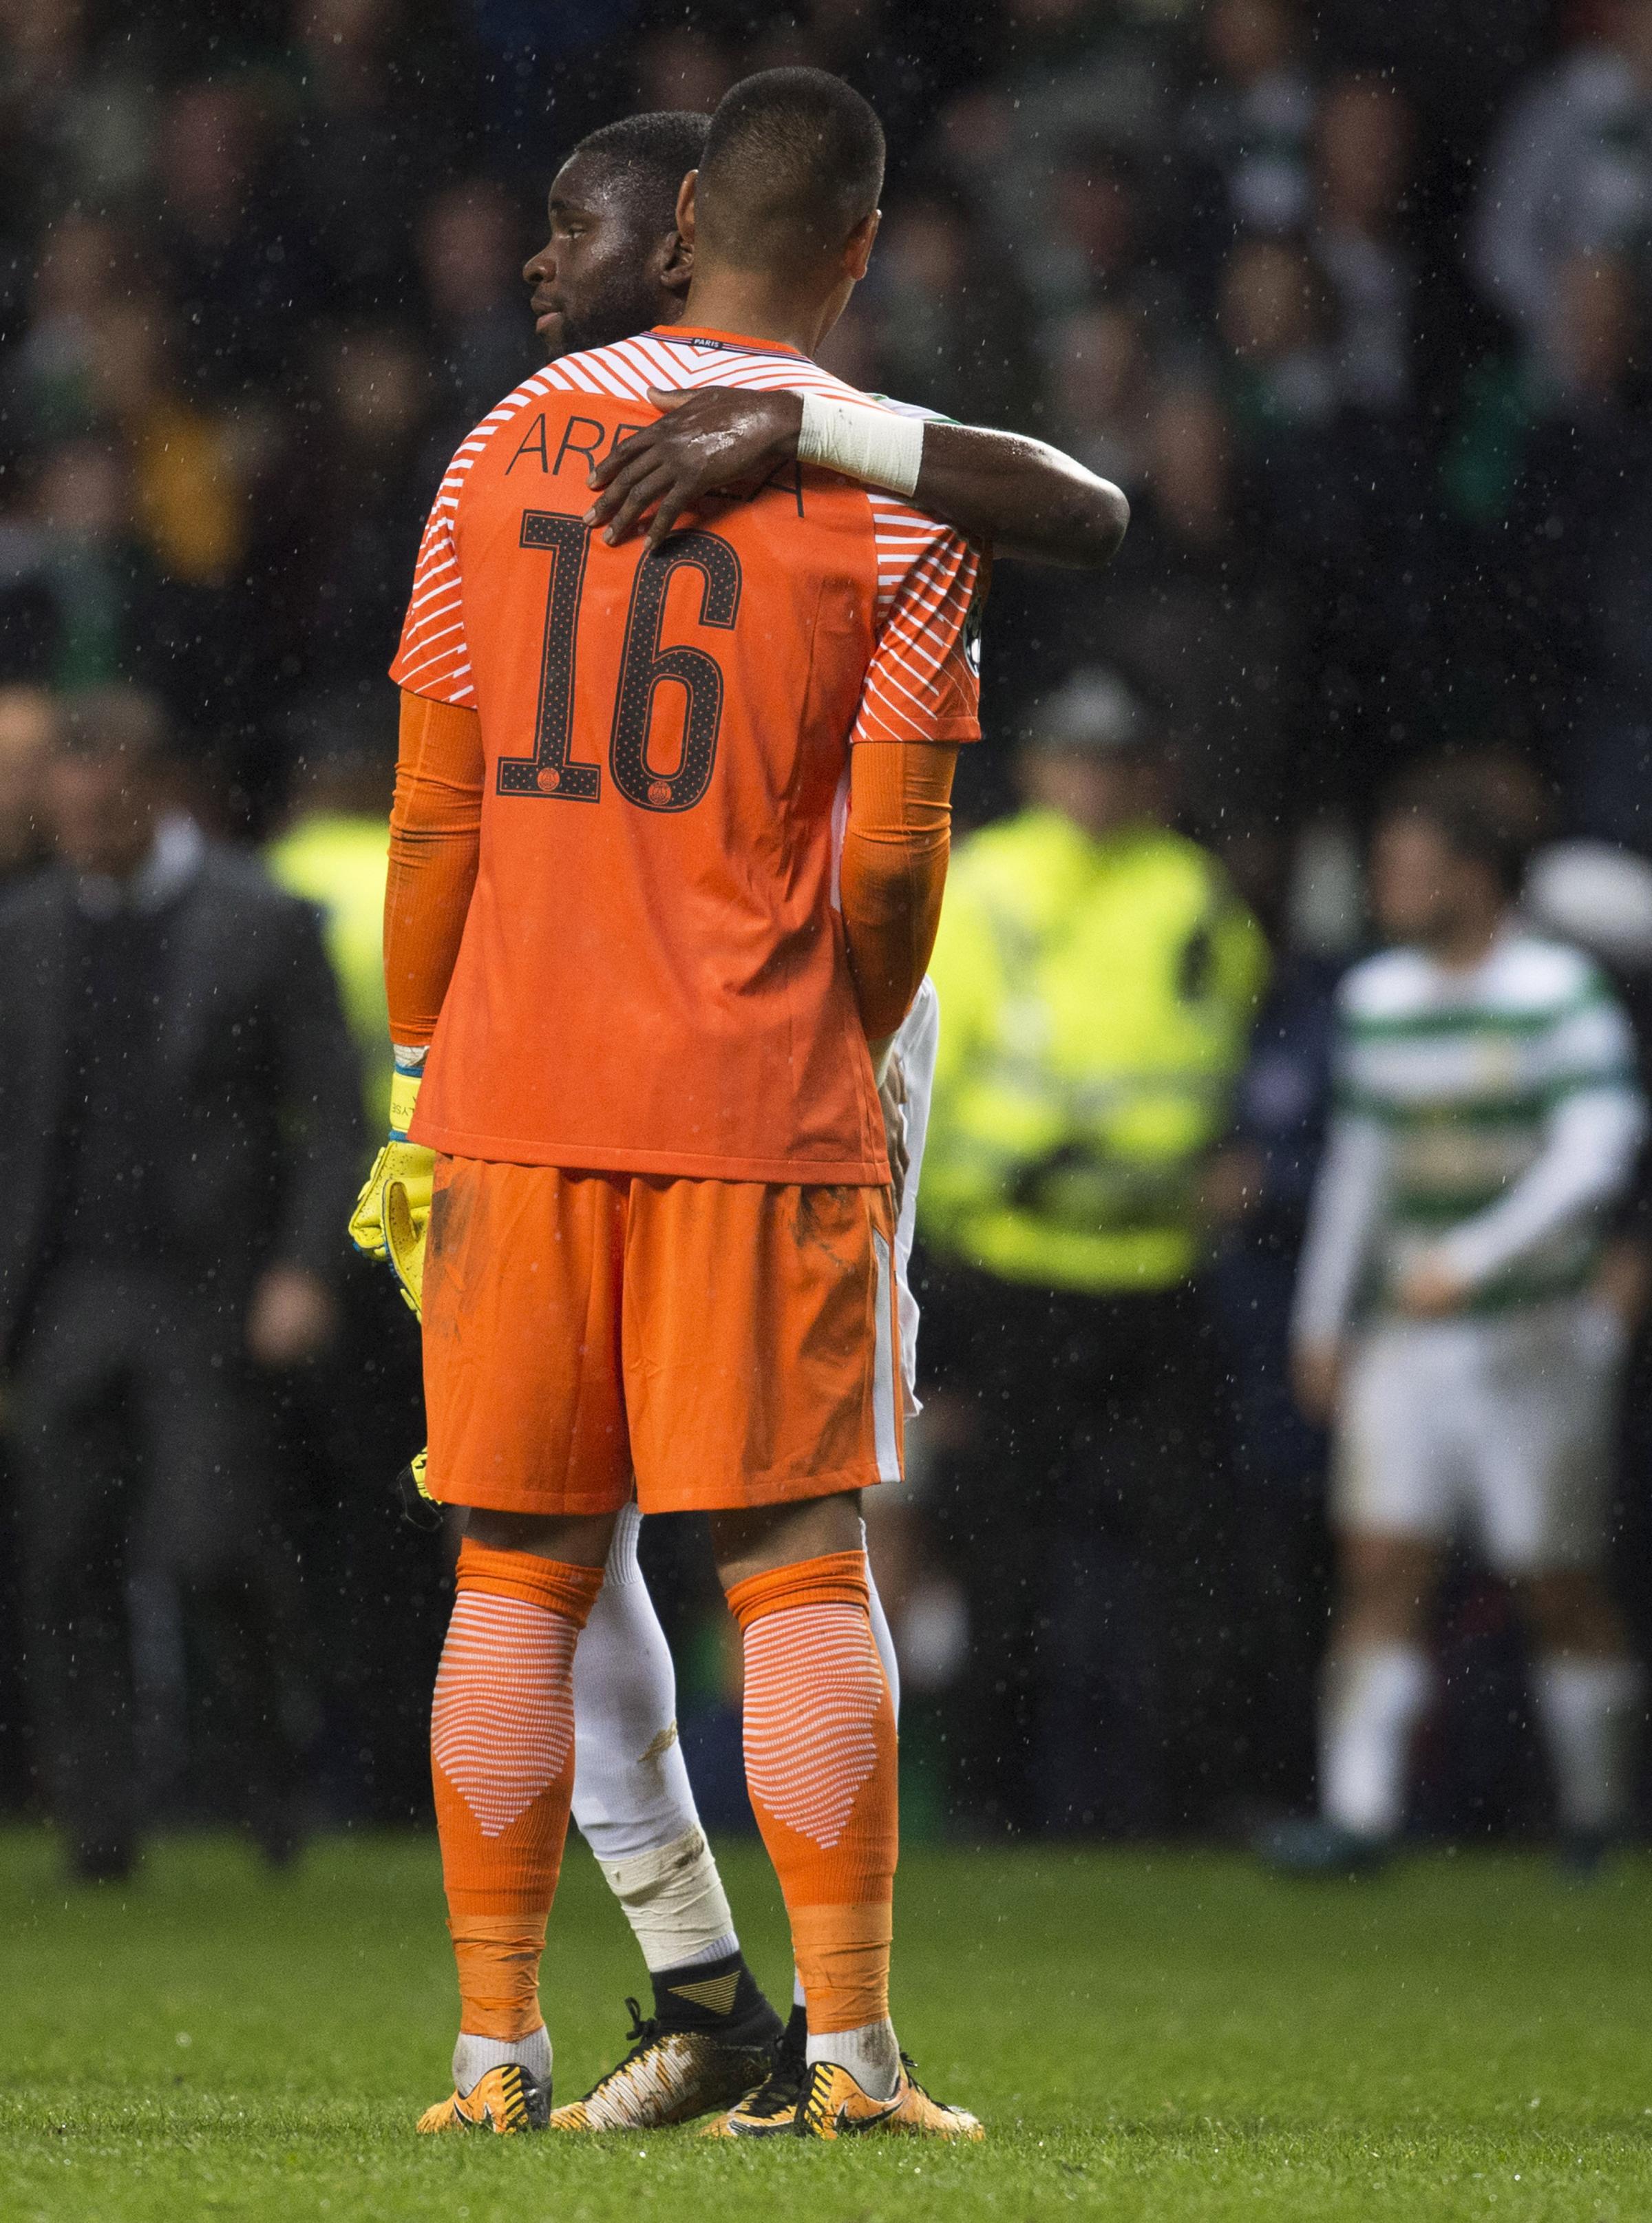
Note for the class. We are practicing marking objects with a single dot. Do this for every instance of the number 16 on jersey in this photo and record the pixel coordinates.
(644, 667)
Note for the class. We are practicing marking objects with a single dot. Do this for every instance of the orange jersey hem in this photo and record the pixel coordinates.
(429, 693)
(587, 1158)
(959, 729)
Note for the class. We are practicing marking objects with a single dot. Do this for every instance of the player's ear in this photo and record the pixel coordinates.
(686, 209)
(857, 247)
(676, 267)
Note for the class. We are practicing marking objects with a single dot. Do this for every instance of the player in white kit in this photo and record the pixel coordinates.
(1488, 1118)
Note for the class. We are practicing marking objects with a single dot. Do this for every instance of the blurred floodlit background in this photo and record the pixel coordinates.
(1351, 300)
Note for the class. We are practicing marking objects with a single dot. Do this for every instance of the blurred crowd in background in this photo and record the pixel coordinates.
(1352, 301)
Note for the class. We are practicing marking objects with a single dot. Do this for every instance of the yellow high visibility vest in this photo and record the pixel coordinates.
(1097, 1000)
(341, 862)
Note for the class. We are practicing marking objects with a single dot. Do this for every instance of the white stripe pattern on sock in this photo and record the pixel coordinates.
(502, 1723)
(813, 1684)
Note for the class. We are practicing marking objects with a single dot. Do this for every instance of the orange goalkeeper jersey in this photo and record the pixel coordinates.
(652, 977)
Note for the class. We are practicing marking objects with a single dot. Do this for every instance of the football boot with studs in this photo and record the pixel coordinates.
(506, 2099)
(712, 2036)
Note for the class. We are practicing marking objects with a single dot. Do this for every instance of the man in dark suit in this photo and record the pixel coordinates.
(179, 1140)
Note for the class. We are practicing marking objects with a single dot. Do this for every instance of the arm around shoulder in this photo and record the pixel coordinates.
(1023, 497)
(1026, 498)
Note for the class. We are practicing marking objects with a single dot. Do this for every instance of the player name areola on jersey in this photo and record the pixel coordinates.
(651, 978)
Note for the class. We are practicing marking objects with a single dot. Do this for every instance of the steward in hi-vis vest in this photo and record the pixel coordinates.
(1098, 990)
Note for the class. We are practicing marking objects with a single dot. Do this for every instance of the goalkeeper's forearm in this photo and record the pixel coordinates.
(893, 875)
(435, 845)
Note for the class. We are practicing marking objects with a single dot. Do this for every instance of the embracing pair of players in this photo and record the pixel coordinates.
(691, 649)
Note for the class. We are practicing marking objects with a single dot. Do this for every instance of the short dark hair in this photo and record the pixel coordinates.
(650, 155)
(1479, 814)
(793, 160)
(116, 719)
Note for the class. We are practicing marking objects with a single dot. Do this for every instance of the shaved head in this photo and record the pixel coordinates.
(793, 162)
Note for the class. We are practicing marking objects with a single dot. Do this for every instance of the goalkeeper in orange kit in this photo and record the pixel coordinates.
(452, 800)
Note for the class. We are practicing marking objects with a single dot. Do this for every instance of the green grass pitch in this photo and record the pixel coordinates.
(1161, 2036)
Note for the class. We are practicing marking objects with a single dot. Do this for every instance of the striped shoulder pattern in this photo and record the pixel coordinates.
(923, 682)
(1532, 972)
(434, 659)
(1527, 980)
(625, 371)
(1533, 1024)
(1391, 984)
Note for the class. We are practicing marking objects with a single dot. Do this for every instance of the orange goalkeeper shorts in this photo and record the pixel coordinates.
(728, 1343)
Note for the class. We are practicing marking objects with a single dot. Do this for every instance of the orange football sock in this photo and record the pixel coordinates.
(820, 1766)
(502, 1762)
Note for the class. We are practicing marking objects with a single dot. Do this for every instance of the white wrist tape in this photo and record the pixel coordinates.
(874, 445)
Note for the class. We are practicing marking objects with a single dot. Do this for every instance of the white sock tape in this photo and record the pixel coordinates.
(876, 446)
(675, 1901)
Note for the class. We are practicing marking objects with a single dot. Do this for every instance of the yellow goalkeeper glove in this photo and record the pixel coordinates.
(392, 1214)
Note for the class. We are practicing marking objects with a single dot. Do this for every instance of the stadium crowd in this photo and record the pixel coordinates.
(1350, 300)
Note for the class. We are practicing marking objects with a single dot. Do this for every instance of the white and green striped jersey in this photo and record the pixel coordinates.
(1490, 1116)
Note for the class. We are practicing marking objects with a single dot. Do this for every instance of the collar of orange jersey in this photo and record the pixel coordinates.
(703, 336)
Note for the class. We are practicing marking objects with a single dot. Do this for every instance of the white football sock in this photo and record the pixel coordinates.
(1372, 1700)
(869, 2054)
(631, 1795)
(474, 2056)
(1589, 1712)
(882, 1634)
(883, 1638)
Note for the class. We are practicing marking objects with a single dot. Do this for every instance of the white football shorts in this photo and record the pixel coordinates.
(1504, 1424)
(915, 1046)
